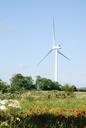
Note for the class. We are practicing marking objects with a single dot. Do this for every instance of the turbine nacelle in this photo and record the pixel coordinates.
(56, 47)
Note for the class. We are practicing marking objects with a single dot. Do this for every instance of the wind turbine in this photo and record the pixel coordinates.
(56, 48)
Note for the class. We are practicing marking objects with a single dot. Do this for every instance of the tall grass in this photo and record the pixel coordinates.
(50, 100)
(45, 109)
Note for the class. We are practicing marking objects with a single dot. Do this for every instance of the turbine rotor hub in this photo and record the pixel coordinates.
(57, 47)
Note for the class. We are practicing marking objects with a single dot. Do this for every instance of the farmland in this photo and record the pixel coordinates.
(46, 109)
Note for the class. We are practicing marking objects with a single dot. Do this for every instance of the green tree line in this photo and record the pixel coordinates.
(21, 82)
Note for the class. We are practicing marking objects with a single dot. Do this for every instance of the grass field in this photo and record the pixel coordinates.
(63, 111)
(51, 100)
(48, 99)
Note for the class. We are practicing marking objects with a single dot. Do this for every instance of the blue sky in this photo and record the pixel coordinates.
(26, 36)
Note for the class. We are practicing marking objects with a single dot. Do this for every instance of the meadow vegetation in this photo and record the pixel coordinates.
(41, 104)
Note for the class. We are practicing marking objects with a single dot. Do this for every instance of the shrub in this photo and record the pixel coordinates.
(69, 90)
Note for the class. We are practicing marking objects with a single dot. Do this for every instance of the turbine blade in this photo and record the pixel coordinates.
(55, 43)
(45, 56)
(63, 55)
(53, 32)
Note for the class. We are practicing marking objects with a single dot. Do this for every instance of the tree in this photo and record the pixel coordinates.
(18, 81)
(3, 86)
(74, 88)
(43, 83)
(57, 86)
(29, 83)
(47, 84)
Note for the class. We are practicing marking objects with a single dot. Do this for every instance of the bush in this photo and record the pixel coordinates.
(69, 90)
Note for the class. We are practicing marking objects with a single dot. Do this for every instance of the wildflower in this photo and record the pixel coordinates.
(14, 104)
(3, 102)
(2, 107)
(18, 119)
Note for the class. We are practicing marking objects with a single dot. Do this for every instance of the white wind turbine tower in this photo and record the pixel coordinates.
(56, 47)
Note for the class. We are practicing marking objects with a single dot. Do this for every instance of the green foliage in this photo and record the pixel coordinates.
(18, 81)
(43, 120)
(38, 111)
(3, 87)
(47, 84)
(74, 88)
(57, 86)
(29, 83)
(69, 90)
